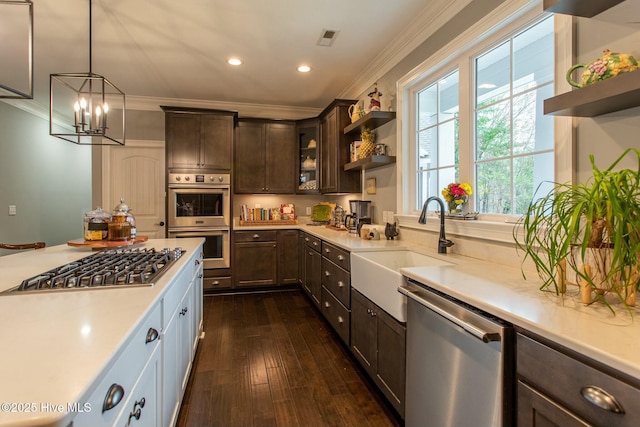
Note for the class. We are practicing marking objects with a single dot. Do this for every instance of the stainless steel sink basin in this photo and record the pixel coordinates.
(376, 275)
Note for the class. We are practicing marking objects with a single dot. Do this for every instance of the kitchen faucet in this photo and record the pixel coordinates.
(443, 242)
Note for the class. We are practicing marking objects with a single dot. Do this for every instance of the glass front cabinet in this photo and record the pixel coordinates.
(308, 146)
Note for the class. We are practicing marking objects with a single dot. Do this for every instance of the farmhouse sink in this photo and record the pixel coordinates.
(376, 275)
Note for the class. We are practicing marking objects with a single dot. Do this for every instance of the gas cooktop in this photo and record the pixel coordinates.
(106, 269)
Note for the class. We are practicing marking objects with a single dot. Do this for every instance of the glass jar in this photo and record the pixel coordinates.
(96, 225)
(122, 224)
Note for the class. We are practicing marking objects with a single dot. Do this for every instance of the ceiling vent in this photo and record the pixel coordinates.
(327, 37)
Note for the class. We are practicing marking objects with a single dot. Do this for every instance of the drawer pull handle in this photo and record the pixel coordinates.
(340, 258)
(198, 262)
(184, 311)
(340, 319)
(315, 243)
(216, 282)
(327, 250)
(152, 335)
(256, 236)
(602, 399)
(140, 403)
(326, 273)
(113, 397)
(340, 284)
(306, 239)
(326, 304)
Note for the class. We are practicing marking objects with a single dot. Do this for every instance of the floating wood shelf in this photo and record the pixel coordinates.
(371, 120)
(613, 94)
(370, 162)
(587, 9)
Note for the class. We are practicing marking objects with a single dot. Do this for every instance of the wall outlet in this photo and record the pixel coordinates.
(308, 210)
(12, 210)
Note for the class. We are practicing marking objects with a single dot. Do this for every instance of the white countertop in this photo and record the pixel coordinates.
(55, 344)
(593, 330)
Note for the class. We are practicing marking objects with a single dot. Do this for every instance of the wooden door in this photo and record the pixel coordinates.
(183, 140)
(249, 158)
(391, 365)
(287, 243)
(280, 158)
(216, 138)
(328, 171)
(363, 331)
(136, 172)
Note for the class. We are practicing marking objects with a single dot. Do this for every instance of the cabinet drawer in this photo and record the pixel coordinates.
(337, 280)
(337, 255)
(569, 380)
(123, 374)
(313, 242)
(338, 316)
(174, 295)
(215, 283)
(255, 236)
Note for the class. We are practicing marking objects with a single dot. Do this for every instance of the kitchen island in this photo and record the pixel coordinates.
(58, 345)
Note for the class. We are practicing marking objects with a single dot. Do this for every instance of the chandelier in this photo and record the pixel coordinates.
(86, 108)
(16, 49)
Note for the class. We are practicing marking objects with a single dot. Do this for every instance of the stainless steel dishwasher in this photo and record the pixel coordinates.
(459, 363)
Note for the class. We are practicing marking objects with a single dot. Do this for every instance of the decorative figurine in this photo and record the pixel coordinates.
(391, 231)
(374, 105)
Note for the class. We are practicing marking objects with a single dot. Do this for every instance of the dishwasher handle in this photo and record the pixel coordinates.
(451, 312)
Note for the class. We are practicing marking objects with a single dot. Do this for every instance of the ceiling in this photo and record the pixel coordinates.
(177, 50)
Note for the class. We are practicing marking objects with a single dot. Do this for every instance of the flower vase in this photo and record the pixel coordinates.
(454, 208)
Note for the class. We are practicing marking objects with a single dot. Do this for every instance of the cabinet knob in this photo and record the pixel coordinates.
(340, 258)
(256, 236)
(326, 304)
(601, 398)
(135, 414)
(326, 273)
(340, 319)
(340, 284)
(327, 250)
(216, 283)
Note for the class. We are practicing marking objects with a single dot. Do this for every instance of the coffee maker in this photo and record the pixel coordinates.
(360, 214)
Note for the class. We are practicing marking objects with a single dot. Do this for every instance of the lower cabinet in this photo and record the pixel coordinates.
(254, 258)
(558, 388)
(378, 342)
(287, 257)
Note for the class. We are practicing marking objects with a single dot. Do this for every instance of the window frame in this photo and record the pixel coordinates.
(505, 21)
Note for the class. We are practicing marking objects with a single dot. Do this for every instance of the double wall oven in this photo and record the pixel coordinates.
(199, 205)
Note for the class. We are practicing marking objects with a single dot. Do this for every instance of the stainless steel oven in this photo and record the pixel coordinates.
(199, 205)
(198, 200)
(216, 245)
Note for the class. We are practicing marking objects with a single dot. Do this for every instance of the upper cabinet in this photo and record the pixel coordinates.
(334, 150)
(308, 132)
(607, 96)
(198, 138)
(265, 157)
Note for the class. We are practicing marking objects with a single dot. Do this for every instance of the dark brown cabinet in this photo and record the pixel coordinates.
(336, 289)
(198, 139)
(287, 254)
(265, 157)
(254, 258)
(334, 150)
(576, 392)
(378, 342)
(311, 282)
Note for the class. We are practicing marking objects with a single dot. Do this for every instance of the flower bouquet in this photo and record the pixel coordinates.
(456, 195)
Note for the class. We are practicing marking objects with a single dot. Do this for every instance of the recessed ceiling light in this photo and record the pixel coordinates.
(234, 61)
(304, 68)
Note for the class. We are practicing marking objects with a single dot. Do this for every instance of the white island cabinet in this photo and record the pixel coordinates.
(108, 357)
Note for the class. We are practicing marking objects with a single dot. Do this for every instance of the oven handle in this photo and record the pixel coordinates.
(197, 232)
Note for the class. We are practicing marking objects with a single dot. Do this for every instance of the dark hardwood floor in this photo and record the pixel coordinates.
(269, 359)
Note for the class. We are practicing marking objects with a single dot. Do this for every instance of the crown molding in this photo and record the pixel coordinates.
(267, 111)
(426, 23)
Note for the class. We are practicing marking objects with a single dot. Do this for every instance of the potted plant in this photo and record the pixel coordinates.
(589, 232)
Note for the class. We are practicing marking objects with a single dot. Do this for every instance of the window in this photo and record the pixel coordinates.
(513, 139)
(437, 136)
(473, 112)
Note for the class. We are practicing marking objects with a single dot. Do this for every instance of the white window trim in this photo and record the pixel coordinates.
(503, 19)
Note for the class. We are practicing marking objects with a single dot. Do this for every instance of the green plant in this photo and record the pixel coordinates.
(572, 222)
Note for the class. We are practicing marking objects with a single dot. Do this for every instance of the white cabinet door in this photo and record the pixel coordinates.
(143, 406)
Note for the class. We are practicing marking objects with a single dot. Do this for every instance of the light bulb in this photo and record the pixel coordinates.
(83, 103)
(76, 106)
(105, 108)
(98, 111)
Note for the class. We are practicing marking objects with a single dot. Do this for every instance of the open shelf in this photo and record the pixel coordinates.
(371, 120)
(585, 8)
(614, 94)
(370, 162)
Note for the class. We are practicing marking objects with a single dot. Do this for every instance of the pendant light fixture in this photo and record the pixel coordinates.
(86, 108)
(16, 49)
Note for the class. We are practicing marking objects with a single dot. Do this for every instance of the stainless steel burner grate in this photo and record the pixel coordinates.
(106, 269)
